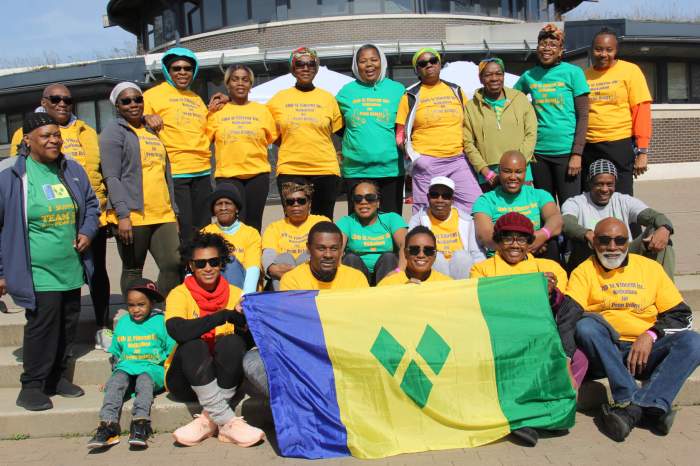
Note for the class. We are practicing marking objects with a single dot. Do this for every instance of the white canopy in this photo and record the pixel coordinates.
(466, 75)
(326, 79)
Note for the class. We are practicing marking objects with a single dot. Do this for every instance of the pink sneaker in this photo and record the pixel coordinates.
(238, 432)
(195, 432)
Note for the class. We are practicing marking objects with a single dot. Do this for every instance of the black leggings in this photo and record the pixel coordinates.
(99, 283)
(191, 196)
(620, 153)
(551, 174)
(390, 192)
(254, 192)
(325, 191)
(194, 365)
(387, 262)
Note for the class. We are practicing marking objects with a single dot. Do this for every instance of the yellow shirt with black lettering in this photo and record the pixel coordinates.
(284, 237)
(306, 121)
(495, 266)
(245, 241)
(447, 233)
(629, 298)
(301, 278)
(437, 126)
(241, 134)
(184, 132)
(400, 278)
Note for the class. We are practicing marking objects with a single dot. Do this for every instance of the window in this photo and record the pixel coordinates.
(14, 122)
(337, 7)
(404, 75)
(237, 12)
(105, 113)
(695, 82)
(397, 6)
(4, 137)
(264, 11)
(649, 70)
(361, 7)
(677, 81)
(212, 14)
(193, 19)
(466, 6)
(438, 6)
(86, 112)
(299, 9)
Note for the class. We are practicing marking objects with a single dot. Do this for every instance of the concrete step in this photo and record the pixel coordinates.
(89, 366)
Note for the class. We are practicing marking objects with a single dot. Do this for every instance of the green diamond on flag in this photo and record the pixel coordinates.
(388, 351)
(416, 384)
(433, 348)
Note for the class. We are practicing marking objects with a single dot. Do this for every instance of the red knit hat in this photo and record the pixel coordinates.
(513, 221)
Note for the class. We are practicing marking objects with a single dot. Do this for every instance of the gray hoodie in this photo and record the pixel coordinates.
(382, 57)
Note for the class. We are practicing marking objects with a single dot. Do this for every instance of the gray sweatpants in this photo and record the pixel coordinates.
(115, 390)
(458, 266)
(269, 259)
(254, 371)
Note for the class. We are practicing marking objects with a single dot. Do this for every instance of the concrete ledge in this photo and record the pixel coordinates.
(670, 171)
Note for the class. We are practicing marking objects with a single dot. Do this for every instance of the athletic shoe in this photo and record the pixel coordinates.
(619, 422)
(198, 430)
(107, 434)
(103, 339)
(526, 435)
(139, 433)
(660, 422)
(65, 389)
(240, 433)
(33, 399)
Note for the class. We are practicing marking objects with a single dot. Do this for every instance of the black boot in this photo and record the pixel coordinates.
(65, 388)
(527, 436)
(139, 433)
(619, 422)
(660, 422)
(107, 434)
(33, 399)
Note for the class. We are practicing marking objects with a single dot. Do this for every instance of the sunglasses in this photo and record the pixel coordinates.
(445, 195)
(605, 240)
(371, 197)
(415, 250)
(181, 68)
(212, 261)
(305, 64)
(431, 61)
(128, 100)
(290, 201)
(56, 99)
(510, 239)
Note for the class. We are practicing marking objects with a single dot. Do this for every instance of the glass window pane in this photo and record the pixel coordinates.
(404, 75)
(649, 70)
(106, 112)
(236, 12)
(86, 112)
(4, 138)
(437, 6)
(193, 19)
(14, 122)
(695, 81)
(489, 7)
(212, 14)
(362, 7)
(303, 9)
(677, 81)
(398, 6)
(264, 11)
(338, 7)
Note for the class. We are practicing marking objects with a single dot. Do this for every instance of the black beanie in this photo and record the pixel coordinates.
(36, 120)
(227, 191)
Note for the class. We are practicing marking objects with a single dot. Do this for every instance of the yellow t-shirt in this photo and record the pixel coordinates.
(494, 266)
(245, 241)
(400, 278)
(305, 121)
(614, 92)
(157, 205)
(284, 237)
(241, 134)
(629, 298)
(447, 233)
(437, 127)
(184, 130)
(301, 278)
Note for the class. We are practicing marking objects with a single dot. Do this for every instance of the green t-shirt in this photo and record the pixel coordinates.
(56, 264)
(553, 91)
(498, 105)
(142, 346)
(529, 202)
(371, 241)
(369, 141)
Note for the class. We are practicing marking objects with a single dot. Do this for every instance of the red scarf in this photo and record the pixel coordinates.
(209, 302)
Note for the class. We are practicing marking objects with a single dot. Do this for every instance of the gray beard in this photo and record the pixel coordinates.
(610, 263)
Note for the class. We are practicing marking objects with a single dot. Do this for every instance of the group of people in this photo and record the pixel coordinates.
(498, 189)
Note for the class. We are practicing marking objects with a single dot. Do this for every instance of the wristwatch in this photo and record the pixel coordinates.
(668, 227)
(642, 150)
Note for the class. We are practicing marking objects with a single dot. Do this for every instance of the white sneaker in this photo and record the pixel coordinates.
(103, 339)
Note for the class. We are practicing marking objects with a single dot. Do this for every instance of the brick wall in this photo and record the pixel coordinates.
(675, 140)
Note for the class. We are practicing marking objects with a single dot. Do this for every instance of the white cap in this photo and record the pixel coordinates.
(443, 181)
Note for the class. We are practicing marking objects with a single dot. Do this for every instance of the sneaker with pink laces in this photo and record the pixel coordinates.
(240, 433)
(195, 432)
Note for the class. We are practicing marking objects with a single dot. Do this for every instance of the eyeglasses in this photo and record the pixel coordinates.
(128, 100)
(305, 64)
(445, 195)
(177, 68)
(212, 261)
(432, 61)
(56, 99)
(290, 201)
(605, 240)
(510, 239)
(415, 250)
(548, 45)
(371, 197)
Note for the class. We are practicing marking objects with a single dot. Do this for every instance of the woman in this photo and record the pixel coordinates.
(560, 97)
(140, 195)
(619, 122)
(180, 117)
(420, 252)
(369, 105)
(371, 237)
(498, 119)
(307, 117)
(244, 271)
(48, 216)
(429, 128)
(241, 131)
(284, 241)
(206, 365)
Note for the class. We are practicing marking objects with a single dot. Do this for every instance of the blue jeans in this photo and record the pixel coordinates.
(672, 359)
(234, 273)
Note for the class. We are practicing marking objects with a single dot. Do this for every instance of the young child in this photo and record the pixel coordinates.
(140, 346)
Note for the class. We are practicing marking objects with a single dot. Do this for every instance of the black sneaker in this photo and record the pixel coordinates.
(619, 422)
(527, 436)
(107, 434)
(659, 421)
(139, 433)
(66, 389)
(33, 399)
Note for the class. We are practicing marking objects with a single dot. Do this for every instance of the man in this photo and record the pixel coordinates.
(636, 325)
(421, 251)
(457, 248)
(323, 272)
(80, 144)
(582, 212)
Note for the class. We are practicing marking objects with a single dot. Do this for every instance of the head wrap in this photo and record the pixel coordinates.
(119, 88)
(600, 167)
(382, 60)
(300, 52)
(486, 61)
(37, 120)
(550, 31)
(514, 221)
(175, 54)
(422, 51)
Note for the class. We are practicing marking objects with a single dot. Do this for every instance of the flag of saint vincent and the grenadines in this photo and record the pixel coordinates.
(382, 371)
